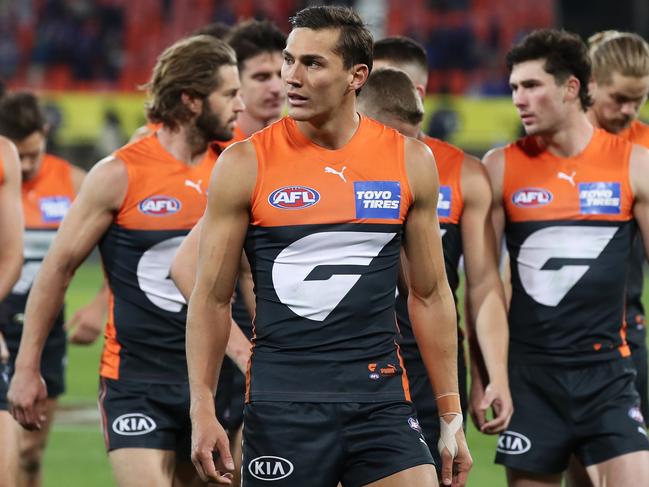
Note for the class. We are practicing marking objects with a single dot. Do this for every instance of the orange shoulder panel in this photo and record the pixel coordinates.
(594, 185)
(47, 197)
(161, 186)
(448, 159)
(327, 186)
(637, 133)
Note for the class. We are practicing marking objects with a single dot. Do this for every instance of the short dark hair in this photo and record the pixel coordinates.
(215, 29)
(400, 49)
(21, 115)
(391, 92)
(355, 44)
(565, 54)
(254, 37)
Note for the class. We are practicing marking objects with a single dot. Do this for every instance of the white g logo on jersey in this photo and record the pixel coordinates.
(549, 287)
(153, 275)
(316, 299)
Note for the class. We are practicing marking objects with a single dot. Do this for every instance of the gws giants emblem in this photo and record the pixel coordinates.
(512, 443)
(133, 424)
(293, 197)
(159, 206)
(270, 468)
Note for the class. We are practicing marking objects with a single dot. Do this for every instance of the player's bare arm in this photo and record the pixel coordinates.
(87, 220)
(183, 273)
(639, 176)
(222, 235)
(485, 293)
(11, 218)
(432, 309)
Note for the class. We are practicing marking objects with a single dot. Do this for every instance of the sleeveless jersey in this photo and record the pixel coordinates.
(569, 232)
(637, 133)
(449, 212)
(145, 333)
(323, 245)
(45, 201)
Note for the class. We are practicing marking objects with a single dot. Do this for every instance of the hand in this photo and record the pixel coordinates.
(87, 324)
(27, 398)
(4, 350)
(497, 397)
(456, 458)
(210, 441)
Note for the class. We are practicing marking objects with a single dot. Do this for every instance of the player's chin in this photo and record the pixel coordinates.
(299, 113)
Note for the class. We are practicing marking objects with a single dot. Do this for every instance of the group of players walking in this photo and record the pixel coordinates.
(315, 222)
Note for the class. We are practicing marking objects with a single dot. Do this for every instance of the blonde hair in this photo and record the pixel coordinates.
(621, 52)
(189, 66)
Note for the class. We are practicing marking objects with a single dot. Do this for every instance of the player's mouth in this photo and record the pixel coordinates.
(526, 118)
(296, 100)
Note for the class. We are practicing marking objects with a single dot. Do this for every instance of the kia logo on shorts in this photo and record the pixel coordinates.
(270, 468)
(293, 198)
(513, 443)
(531, 197)
(159, 206)
(133, 424)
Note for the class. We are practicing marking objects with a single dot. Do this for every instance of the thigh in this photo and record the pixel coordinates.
(629, 469)
(519, 478)
(539, 438)
(149, 416)
(608, 414)
(381, 440)
(135, 467)
(642, 382)
(291, 444)
(420, 476)
(423, 398)
(8, 450)
(32, 443)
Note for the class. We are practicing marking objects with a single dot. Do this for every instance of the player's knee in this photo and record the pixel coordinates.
(31, 457)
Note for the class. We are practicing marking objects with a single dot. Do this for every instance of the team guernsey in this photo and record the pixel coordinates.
(323, 245)
(46, 199)
(569, 231)
(145, 334)
(449, 212)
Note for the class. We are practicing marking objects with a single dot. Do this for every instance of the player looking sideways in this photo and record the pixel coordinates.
(566, 197)
(321, 222)
(138, 204)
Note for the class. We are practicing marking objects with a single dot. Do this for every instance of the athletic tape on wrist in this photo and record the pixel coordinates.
(448, 403)
(447, 434)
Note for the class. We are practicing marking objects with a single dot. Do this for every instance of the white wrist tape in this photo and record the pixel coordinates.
(447, 434)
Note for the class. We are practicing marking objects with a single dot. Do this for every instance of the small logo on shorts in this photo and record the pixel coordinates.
(133, 424)
(414, 424)
(635, 413)
(270, 468)
(512, 443)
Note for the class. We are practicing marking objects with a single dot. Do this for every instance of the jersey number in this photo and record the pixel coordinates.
(295, 271)
(153, 275)
(550, 286)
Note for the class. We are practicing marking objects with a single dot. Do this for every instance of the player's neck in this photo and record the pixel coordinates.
(592, 118)
(571, 139)
(331, 132)
(184, 144)
(249, 124)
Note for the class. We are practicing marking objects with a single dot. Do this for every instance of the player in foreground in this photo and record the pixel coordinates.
(321, 222)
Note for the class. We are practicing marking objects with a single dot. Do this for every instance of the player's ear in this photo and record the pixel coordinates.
(358, 76)
(572, 86)
(193, 103)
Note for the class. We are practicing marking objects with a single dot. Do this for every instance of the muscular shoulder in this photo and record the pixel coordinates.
(106, 183)
(236, 169)
(420, 167)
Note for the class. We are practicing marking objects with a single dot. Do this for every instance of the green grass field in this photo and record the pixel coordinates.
(75, 455)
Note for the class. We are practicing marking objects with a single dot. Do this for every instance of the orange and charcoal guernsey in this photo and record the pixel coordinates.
(637, 133)
(449, 212)
(145, 334)
(569, 232)
(323, 244)
(46, 199)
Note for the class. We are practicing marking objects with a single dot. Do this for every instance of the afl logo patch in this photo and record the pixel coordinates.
(531, 197)
(133, 424)
(293, 197)
(159, 206)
